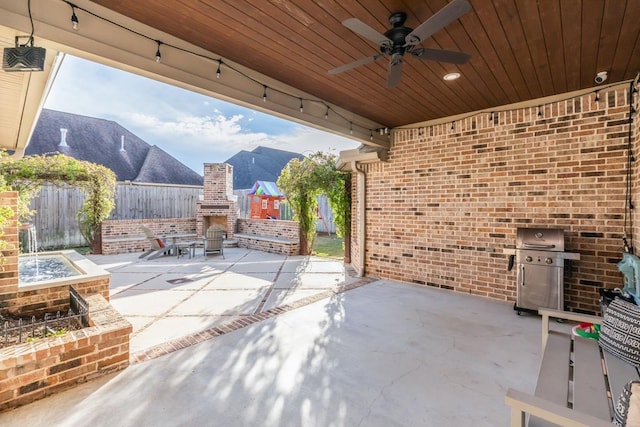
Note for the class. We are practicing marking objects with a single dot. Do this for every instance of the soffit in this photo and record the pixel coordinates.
(521, 49)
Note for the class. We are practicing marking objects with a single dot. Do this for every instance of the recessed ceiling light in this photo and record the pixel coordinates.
(451, 76)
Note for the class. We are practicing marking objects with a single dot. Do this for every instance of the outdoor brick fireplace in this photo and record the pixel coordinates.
(219, 204)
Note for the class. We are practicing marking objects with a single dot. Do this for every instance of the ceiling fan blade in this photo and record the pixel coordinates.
(440, 19)
(357, 63)
(441, 55)
(395, 70)
(357, 26)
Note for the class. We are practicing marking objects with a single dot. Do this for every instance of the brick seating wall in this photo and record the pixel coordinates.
(125, 236)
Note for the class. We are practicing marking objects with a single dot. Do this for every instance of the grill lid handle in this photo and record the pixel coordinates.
(538, 246)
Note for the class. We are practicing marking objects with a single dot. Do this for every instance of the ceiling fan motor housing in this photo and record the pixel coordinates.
(397, 34)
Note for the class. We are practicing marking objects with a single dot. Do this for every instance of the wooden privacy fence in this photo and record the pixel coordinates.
(325, 224)
(56, 208)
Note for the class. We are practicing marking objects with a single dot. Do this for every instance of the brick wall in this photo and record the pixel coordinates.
(9, 258)
(448, 201)
(53, 298)
(289, 230)
(125, 236)
(31, 371)
(268, 227)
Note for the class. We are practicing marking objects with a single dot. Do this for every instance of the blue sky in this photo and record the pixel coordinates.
(193, 128)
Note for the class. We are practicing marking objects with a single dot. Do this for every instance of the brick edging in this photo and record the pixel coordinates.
(215, 331)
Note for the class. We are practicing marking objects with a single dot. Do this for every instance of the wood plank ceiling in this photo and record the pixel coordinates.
(521, 49)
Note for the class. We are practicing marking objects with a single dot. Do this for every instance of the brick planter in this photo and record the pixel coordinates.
(31, 371)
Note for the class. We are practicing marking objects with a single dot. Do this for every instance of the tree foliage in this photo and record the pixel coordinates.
(26, 175)
(304, 180)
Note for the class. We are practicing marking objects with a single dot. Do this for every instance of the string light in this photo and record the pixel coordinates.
(453, 125)
(158, 55)
(491, 117)
(597, 97)
(539, 111)
(264, 93)
(371, 134)
(74, 17)
(158, 58)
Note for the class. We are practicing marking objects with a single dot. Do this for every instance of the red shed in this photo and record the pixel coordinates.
(265, 200)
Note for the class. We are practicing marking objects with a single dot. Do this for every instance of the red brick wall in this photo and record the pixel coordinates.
(267, 227)
(278, 229)
(447, 202)
(31, 371)
(125, 236)
(50, 299)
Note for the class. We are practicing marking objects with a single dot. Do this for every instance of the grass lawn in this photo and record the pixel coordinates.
(328, 246)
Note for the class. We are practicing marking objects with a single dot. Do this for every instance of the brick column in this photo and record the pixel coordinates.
(9, 261)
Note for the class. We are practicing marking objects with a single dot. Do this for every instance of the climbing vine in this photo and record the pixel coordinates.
(26, 176)
(6, 213)
(304, 180)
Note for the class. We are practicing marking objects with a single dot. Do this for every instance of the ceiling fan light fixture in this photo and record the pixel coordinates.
(451, 76)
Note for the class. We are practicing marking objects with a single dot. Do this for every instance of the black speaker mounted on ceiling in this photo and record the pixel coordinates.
(23, 57)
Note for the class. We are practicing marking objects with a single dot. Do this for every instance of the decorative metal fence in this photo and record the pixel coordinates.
(17, 331)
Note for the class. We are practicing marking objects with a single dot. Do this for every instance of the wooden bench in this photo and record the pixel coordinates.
(268, 243)
(578, 383)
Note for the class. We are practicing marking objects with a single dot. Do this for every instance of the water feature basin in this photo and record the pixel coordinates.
(57, 268)
(38, 268)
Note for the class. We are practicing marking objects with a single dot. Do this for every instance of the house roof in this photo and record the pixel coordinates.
(266, 188)
(260, 164)
(107, 143)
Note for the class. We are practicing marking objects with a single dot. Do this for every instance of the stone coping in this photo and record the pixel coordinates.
(265, 238)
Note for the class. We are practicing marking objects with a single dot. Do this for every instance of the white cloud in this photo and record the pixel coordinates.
(191, 127)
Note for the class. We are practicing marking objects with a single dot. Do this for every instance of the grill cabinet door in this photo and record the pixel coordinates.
(539, 287)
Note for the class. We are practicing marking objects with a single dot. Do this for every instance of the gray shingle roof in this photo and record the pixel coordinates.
(260, 164)
(99, 141)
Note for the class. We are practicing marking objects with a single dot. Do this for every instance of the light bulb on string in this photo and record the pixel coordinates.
(326, 114)
(264, 93)
(301, 106)
(597, 97)
(453, 125)
(539, 111)
(351, 128)
(158, 55)
(74, 18)
(371, 134)
(218, 71)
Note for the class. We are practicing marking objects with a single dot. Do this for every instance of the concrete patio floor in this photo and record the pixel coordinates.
(168, 298)
(382, 354)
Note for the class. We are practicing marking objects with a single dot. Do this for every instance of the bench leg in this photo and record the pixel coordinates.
(517, 418)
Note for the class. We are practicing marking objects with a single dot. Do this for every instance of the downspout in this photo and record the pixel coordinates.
(362, 217)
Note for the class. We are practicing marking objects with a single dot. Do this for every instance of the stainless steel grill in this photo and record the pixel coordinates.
(540, 260)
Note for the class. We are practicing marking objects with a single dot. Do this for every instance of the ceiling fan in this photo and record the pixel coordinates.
(400, 40)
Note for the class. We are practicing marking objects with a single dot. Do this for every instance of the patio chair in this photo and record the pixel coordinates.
(158, 246)
(213, 240)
